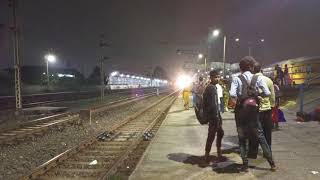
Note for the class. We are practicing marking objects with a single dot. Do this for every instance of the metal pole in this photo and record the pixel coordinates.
(48, 78)
(17, 76)
(102, 79)
(205, 65)
(249, 50)
(224, 55)
(301, 89)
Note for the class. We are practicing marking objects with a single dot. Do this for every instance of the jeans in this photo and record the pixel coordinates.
(215, 127)
(266, 123)
(248, 125)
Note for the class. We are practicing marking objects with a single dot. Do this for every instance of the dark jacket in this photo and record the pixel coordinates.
(210, 103)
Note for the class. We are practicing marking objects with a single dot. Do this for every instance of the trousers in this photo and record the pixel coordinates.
(215, 127)
(249, 126)
(265, 118)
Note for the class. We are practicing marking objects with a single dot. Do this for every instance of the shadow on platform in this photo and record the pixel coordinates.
(219, 165)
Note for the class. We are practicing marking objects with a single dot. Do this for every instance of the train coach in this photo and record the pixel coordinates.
(299, 69)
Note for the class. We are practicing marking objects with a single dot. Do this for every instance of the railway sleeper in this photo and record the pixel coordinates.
(90, 158)
(108, 148)
(77, 172)
(100, 153)
(84, 165)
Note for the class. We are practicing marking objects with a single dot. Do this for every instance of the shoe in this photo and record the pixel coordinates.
(273, 168)
(245, 168)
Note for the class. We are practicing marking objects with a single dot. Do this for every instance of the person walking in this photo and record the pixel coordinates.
(265, 114)
(225, 96)
(244, 89)
(220, 97)
(186, 97)
(275, 109)
(212, 114)
(279, 74)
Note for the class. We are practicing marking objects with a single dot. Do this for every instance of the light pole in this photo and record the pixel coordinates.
(49, 58)
(216, 33)
(249, 47)
(200, 56)
(195, 53)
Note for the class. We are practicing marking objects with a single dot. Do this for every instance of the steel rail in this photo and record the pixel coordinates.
(115, 137)
(41, 125)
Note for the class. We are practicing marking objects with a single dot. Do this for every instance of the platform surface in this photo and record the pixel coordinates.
(177, 150)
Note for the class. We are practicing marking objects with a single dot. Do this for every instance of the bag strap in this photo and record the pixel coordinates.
(254, 80)
(243, 80)
(244, 90)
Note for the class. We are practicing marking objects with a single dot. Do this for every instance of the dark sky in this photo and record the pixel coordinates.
(145, 33)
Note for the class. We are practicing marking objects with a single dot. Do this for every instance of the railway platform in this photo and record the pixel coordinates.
(177, 150)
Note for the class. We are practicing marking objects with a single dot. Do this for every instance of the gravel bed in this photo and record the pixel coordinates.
(20, 159)
(128, 166)
(8, 120)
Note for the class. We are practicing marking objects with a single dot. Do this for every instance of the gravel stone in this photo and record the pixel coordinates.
(40, 149)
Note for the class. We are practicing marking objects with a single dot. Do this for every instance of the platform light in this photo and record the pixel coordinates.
(127, 75)
(114, 73)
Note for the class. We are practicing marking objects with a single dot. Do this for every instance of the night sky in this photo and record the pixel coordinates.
(146, 33)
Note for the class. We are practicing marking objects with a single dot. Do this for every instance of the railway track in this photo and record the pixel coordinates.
(100, 157)
(42, 125)
(8, 102)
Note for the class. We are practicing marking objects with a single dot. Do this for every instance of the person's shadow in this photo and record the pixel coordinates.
(219, 165)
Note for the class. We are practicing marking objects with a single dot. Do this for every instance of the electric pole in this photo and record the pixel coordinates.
(102, 45)
(17, 76)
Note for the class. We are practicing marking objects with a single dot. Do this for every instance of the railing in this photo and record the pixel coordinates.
(301, 93)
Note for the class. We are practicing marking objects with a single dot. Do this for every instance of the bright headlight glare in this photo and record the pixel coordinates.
(183, 81)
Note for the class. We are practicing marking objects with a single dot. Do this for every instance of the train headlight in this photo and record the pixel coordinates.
(183, 81)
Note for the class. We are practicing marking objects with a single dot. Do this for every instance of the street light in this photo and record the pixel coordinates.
(249, 43)
(216, 33)
(194, 53)
(200, 56)
(49, 58)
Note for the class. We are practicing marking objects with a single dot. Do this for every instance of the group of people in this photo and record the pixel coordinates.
(282, 76)
(255, 99)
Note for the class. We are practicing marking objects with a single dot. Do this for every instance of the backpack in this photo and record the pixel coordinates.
(199, 110)
(249, 93)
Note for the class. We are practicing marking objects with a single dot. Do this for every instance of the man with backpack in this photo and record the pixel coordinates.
(265, 113)
(212, 115)
(244, 89)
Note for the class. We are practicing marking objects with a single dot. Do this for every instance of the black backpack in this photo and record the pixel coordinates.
(249, 93)
(199, 111)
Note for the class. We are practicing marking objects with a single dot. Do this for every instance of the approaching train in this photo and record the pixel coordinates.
(300, 69)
